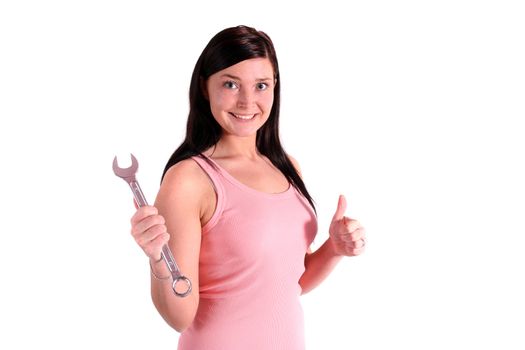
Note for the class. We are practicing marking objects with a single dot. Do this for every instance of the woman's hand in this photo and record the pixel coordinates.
(347, 235)
(149, 231)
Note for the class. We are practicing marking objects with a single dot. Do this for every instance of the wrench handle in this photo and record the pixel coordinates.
(170, 262)
(137, 193)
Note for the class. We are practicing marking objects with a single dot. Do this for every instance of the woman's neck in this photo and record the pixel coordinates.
(236, 147)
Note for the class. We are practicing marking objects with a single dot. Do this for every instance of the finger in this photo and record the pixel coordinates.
(154, 248)
(341, 208)
(142, 213)
(353, 251)
(358, 251)
(150, 234)
(358, 234)
(359, 244)
(354, 236)
(140, 227)
(351, 224)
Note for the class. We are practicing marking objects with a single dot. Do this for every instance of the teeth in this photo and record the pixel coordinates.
(244, 117)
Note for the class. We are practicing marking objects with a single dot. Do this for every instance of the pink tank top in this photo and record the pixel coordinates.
(251, 258)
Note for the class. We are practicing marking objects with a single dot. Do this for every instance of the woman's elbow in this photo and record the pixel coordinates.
(179, 318)
(305, 289)
(179, 325)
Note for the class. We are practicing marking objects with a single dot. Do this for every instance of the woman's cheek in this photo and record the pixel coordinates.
(268, 101)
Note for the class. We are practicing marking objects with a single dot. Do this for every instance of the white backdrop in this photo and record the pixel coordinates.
(412, 109)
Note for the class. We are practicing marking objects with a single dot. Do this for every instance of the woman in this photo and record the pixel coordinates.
(239, 215)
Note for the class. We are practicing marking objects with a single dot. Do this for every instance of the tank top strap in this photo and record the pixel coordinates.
(214, 175)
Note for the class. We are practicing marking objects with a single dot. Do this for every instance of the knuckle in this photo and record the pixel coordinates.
(148, 222)
(140, 241)
(152, 210)
(148, 251)
(145, 238)
(134, 231)
(158, 229)
(146, 212)
(159, 219)
(134, 219)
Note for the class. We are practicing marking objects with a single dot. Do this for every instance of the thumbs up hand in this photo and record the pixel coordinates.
(347, 235)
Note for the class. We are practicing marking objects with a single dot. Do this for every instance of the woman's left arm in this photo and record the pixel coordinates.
(347, 238)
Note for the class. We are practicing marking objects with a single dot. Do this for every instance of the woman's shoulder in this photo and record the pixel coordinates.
(187, 176)
(186, 186)
(295, 163)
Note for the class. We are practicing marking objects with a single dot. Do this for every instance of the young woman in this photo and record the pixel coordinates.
(239, 217)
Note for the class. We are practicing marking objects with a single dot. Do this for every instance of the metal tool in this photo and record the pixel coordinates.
(128, 174)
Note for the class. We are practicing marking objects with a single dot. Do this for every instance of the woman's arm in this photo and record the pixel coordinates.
(180, 202)
(346, 239)
(318, 266)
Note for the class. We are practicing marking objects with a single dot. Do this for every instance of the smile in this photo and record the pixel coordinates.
(243, 116)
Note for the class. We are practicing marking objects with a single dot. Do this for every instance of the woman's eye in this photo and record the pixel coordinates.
(230, 85)
(262, 86)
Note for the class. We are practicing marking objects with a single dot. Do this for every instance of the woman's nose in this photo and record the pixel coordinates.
(245, 98)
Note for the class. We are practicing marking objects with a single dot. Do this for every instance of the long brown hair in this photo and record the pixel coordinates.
(228, 47)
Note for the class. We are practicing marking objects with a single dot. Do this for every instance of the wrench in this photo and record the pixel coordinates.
(128, 174)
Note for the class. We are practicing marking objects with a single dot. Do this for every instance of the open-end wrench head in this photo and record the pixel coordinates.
(126, 172)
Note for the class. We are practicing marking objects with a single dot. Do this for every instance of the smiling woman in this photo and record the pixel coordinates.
(239, 217)
(240, 99)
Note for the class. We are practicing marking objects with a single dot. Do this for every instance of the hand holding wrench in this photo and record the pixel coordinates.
(128, 174)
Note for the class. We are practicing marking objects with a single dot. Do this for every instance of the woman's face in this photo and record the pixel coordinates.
(241, 96)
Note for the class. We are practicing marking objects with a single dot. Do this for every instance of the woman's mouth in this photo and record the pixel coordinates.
(243, 116)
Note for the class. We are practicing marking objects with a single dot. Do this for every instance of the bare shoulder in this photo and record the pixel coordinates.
(185, 179)
(295, 164)
(186, 171)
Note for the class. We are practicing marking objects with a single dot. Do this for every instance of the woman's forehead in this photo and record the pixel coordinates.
(250, 69)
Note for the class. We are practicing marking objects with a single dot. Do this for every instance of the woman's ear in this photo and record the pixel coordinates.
(204, 88)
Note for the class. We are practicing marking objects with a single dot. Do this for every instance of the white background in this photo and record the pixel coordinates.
(412, 109)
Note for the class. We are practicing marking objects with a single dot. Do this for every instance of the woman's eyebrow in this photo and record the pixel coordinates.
(237, 78)
(230, 76)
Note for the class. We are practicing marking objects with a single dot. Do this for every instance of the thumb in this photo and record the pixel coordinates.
(341, 208)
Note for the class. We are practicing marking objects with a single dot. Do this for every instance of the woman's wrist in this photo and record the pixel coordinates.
(332, 247)
(154, 261)
(157, 275)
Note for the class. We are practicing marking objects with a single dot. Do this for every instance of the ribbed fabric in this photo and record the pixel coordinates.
(251, 259)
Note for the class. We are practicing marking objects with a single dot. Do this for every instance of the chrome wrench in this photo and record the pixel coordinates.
(128, 174)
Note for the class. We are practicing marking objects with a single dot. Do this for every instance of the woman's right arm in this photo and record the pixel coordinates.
(178, 209)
